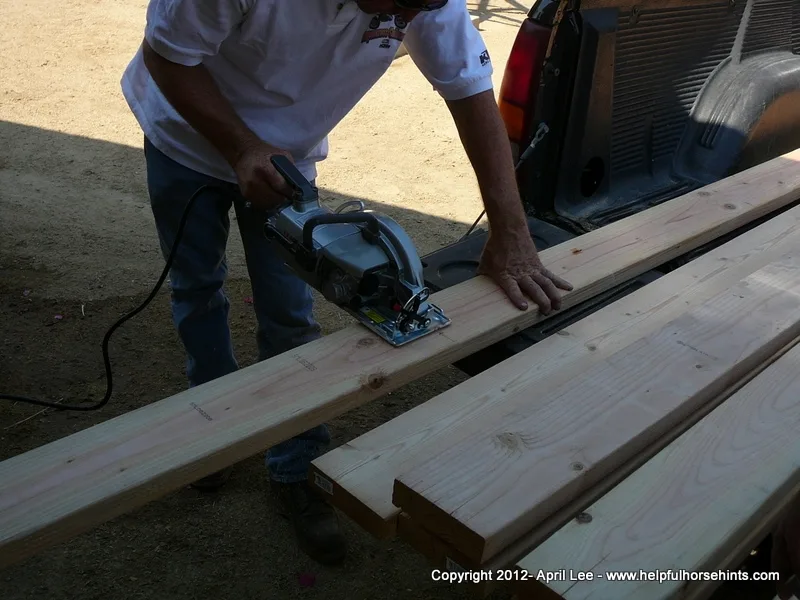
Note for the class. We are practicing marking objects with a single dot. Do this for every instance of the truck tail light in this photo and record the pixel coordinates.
(517, 98)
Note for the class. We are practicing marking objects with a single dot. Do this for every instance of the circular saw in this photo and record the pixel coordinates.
(362, 261)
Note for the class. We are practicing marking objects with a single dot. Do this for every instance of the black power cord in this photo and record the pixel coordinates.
(543, 130)
(115, 326)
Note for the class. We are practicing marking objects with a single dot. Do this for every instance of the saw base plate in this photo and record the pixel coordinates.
(383, 325)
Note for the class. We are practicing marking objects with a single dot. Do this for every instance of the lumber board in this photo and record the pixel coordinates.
(359, 475)
(747, 540)
(699, 505)
(574, 508)
(64, 488)
(446, 557)
(443, 557)
(483, 493)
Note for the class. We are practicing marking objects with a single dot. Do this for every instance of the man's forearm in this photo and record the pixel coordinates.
(194, 94)
(511, 258)
(485, 141)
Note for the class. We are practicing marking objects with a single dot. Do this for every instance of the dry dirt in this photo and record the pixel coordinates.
(78, 249)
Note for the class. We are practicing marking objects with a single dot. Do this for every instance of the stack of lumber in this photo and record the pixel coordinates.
(701, 504)
(488, 474)
(503, 478)
(475, 472)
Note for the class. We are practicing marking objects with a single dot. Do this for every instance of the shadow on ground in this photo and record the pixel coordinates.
(78, 208)
(510, 13)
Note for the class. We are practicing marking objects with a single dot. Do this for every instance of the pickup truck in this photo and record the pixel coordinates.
(619, 105)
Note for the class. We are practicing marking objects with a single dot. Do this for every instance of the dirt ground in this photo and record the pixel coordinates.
(78, 249)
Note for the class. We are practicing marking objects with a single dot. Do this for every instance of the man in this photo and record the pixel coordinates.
(219, 87)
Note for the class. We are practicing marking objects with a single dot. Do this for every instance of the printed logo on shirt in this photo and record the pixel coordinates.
(484, 58)
(379, 31)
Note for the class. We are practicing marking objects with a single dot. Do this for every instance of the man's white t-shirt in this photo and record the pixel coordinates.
(293, 69)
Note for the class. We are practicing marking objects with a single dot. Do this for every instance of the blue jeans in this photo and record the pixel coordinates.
(283, 302)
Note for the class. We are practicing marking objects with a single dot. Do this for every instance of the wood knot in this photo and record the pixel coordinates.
(729, 206)
(365, 342)
(703, 193)
(376, 381)
(514, 442)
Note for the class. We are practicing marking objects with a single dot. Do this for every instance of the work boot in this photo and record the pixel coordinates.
(212, 483)
(315, 522)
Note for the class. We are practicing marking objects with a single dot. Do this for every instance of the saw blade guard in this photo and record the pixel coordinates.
(336, 250)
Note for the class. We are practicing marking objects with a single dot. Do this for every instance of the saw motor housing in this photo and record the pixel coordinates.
(362, 261)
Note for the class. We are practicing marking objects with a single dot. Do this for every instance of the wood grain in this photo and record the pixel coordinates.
(742, 544)
(445, 556)
(361, 472)
(440, 556)
(64, 488)
(696, 505)
(482, 494)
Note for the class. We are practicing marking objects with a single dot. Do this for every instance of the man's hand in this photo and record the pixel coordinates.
(259, 181)
(513, 263)
(194, 94)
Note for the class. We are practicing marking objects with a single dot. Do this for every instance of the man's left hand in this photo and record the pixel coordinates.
(514, 264)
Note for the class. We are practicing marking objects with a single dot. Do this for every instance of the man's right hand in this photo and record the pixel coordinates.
(194, 94)
(259, 181)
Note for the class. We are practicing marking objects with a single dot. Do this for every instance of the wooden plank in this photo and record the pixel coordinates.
(524, 545)
(699, 505)
(440, 556)
(359, 474)
(747, 540)
(446, 557)
(71, 485)
(482, 494)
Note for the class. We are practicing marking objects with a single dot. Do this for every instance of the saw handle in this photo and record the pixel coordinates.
(355, 216)
(303, 190)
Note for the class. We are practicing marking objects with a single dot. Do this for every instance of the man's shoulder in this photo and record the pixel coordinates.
(455, 11)
(446, 30)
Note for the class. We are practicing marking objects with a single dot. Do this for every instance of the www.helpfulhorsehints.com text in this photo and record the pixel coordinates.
(682, 575)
